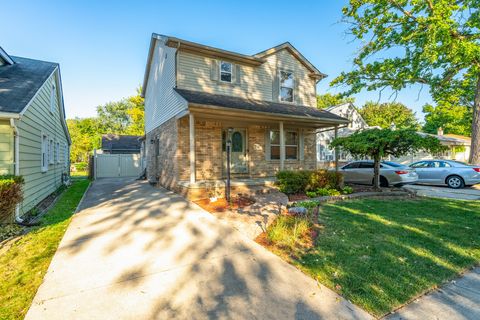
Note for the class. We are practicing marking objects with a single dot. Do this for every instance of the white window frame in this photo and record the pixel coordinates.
(52, 98)
(65, 154)
(286, 145)
(57, 152)
(44, 155)
(280, 86)
(51, 151)
(220, 72)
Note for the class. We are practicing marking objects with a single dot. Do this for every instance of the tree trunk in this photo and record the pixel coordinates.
(376, 173)
(475, 148)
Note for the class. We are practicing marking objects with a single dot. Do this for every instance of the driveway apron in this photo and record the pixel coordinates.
(134, 251)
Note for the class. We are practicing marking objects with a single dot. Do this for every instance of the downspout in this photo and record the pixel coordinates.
(17, 163)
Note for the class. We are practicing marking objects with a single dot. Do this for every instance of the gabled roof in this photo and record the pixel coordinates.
(121, 142)
(253, 60)
(20, 81)
(290, 48)
(259, 106)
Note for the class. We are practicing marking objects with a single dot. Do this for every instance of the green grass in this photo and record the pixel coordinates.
(79, 174)
(380, 254)
(24, 265)
(288, 231)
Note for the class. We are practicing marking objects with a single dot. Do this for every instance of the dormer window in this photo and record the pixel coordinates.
(286, 86)
(226, 71)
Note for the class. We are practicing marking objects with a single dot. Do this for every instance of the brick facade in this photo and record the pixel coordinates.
(172, 164)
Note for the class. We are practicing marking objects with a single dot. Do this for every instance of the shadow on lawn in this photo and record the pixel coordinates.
(384, 253)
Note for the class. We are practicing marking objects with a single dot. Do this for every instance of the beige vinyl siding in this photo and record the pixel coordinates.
(161, 102)
(6, 148)
(38, 120)
(193, 73)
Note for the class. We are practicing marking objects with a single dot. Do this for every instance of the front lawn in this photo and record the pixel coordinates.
(381, 254)
(24, 264)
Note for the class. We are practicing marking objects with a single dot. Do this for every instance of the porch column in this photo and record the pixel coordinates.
(282, 147)
(191, 155)
(336, 149)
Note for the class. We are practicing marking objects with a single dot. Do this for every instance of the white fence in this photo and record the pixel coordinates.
(117, 165)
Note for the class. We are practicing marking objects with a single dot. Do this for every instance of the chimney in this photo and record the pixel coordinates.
(440, 131)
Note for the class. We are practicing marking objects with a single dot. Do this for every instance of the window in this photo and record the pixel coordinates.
(44, 159)
(57, 152)
(286, 86)
(291, 145)
(52, 99)
(51, 151)
(352, 165)
(438, 164)
(366, 165)
(65, 154)
(226, 71)
(421, 164)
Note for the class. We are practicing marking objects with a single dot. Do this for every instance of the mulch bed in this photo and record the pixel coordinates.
(297, 197)
(221, 205)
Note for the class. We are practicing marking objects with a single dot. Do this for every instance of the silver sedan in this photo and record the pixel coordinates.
(391, 173)
(454, 174)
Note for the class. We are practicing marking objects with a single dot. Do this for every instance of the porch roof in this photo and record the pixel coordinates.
(260, 107)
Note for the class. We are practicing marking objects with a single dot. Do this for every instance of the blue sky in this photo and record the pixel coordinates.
(102, 45)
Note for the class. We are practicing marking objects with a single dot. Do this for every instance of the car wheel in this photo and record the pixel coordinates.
(383, 182)
(455, 182)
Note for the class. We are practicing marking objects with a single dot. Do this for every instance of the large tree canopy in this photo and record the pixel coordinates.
(405, 42)
(380, 143)
(122, 117)
(453, 119)
(329, 100)
(386, 114)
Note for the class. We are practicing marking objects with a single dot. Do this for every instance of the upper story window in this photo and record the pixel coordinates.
(286, 86)
(226, 71)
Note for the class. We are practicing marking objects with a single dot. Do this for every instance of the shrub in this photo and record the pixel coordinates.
(347, 190)
(308, 204)
(287, 231)
(10, 195)
(327, 192)
(80, 166)
(311, 194)
(324, 179)
(292, 181)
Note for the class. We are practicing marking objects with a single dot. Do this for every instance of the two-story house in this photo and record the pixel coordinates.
(197, 97)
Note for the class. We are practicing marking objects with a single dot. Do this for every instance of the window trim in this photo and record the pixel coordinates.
(280, 86)
(44, 161)
(297, 154)
(220, 72)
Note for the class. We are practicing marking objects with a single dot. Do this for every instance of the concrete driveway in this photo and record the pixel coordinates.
(138, 252)
(468, 193)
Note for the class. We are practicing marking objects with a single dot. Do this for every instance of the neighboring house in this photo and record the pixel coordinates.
(325, 155)
(458, 146)
(34, 139)
(121, 144)
(197, 97)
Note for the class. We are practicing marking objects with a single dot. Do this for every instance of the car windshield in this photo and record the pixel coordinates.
(393, 164)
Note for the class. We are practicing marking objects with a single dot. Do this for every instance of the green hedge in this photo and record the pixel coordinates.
(291, 182)
(11, 194)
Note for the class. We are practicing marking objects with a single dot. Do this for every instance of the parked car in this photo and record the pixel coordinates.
(391, 173)
(454, 174)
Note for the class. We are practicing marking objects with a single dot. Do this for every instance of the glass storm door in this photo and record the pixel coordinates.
(238, 162)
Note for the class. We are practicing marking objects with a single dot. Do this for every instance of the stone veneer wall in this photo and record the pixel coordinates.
(165, 167)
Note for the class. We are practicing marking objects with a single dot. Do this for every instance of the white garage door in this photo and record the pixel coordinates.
(118, 165)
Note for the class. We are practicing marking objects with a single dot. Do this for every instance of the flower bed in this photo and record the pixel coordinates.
(11, 194)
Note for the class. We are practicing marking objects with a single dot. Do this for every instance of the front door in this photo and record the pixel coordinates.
(238, 162)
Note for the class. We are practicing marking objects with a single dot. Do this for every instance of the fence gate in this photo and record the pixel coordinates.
(117, 165)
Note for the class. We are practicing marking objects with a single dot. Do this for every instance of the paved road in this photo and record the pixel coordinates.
(137, 252)
(470, 193)
(458, 300)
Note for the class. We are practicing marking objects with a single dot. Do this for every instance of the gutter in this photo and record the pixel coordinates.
(17, 163)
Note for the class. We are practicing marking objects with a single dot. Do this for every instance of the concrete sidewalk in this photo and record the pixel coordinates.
(468, 193)
(458, 300)
(137, 252)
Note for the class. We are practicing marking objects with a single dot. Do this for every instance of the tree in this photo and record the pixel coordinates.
(453, 119)
(405, 42)
(386, 114)
(380, 143)
(329, 100)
